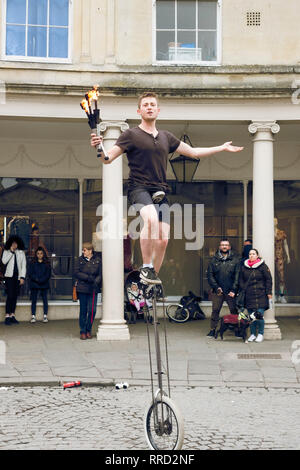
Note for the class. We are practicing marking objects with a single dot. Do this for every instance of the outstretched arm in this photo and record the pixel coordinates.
(113, 153)
(200, 152)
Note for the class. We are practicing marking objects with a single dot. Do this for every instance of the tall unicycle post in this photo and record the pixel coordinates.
(163, 421)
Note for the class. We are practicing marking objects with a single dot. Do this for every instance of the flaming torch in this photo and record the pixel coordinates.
(94, 116)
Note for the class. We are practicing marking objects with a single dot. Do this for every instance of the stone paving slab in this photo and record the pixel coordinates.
(52, 351)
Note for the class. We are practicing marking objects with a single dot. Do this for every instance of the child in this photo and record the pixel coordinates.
(135, 296)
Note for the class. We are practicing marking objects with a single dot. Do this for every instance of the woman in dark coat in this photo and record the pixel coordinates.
(88, 275)
(255, 278)
(39, 275)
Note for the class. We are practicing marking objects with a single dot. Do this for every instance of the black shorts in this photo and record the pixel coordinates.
(140, 197)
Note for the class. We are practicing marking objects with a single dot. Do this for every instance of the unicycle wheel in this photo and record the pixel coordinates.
(164, 425)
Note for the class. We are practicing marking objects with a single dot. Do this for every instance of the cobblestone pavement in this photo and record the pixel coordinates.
(109, 419)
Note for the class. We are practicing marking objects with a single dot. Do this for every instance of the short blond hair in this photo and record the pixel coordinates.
(147, 94)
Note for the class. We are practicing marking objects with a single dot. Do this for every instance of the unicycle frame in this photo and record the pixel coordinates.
(163, 415)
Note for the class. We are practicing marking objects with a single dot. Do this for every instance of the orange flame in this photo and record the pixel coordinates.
(93, 95)
(84, 104)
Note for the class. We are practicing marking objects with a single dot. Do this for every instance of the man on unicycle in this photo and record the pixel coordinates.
(147, 150)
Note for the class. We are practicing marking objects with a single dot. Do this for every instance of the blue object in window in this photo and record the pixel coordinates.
(59, 13)
(37, 41)
(15, 40)
(58, 42)
(190, 45)
(16, 11)
(37, 12)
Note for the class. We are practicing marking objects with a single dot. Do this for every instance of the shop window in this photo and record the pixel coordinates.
(287, 248)
(37, 29)
(51, 206)
(187, 31)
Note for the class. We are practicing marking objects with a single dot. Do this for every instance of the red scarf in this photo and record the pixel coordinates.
(251, 263)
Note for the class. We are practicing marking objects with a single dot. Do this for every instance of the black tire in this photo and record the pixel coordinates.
(168, 432)
(177, 313)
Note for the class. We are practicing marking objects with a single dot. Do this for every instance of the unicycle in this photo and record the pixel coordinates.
(163, 422)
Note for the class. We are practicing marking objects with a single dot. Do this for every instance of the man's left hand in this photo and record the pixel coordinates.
(231, 294)
(227, 147)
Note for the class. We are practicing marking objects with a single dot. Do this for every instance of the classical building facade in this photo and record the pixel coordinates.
(224, 70)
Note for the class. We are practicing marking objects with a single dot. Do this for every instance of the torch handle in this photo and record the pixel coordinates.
(100, 147)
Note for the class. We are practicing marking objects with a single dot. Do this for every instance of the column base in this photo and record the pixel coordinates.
(113, 332)
(272, 332)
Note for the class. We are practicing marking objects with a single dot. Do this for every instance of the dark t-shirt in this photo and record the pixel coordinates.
(147, 157)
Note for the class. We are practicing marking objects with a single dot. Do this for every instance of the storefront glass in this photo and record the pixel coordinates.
(51, 205)
(287, 252)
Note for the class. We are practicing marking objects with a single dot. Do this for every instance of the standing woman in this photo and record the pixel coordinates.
(255, 278)
(15, 273)
(39, 276)
(88, 275)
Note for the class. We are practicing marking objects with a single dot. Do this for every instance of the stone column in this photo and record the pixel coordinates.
(263, 205)
(112, 325)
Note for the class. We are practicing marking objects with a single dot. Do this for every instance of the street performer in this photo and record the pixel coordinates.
(147, 150)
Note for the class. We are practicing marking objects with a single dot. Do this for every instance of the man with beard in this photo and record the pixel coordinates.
(147, 150)
(222, 276)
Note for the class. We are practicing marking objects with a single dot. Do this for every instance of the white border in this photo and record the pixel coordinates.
(188, 64)
(29, 59)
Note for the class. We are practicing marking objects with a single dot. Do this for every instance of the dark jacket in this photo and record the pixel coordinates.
(259, 285)
(224, 272)
(39, 275)
(88, 275)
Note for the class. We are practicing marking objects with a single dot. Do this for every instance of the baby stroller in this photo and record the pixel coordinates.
(135, 302)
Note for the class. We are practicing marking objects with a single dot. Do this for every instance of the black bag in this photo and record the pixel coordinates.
(241, 296)
(191, 303)
(240, 299)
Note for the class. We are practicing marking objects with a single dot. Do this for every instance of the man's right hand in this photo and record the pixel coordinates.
(219, 291)
(95, 140)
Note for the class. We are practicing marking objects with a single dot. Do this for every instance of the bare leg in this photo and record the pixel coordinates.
(149, 232)
(160, 245)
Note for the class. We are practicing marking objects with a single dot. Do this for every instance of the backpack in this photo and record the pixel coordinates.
(191, 303)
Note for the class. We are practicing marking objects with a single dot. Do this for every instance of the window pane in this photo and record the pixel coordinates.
(15, 40)
(186, 14)
(16, 11)
(58, 42)
(165, 14)
(165, 45)
(207, 41)
(207, 15)
(37, 12)
(187, 39)
(187, 51)
(59, 12)
(37, 41)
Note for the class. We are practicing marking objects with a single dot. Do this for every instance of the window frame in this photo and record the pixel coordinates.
(218, 61)
(15, 58)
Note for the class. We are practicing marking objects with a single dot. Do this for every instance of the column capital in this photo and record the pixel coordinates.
(105, 125)
(264, 126)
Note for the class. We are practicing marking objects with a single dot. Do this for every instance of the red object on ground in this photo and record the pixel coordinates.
(72, 384)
